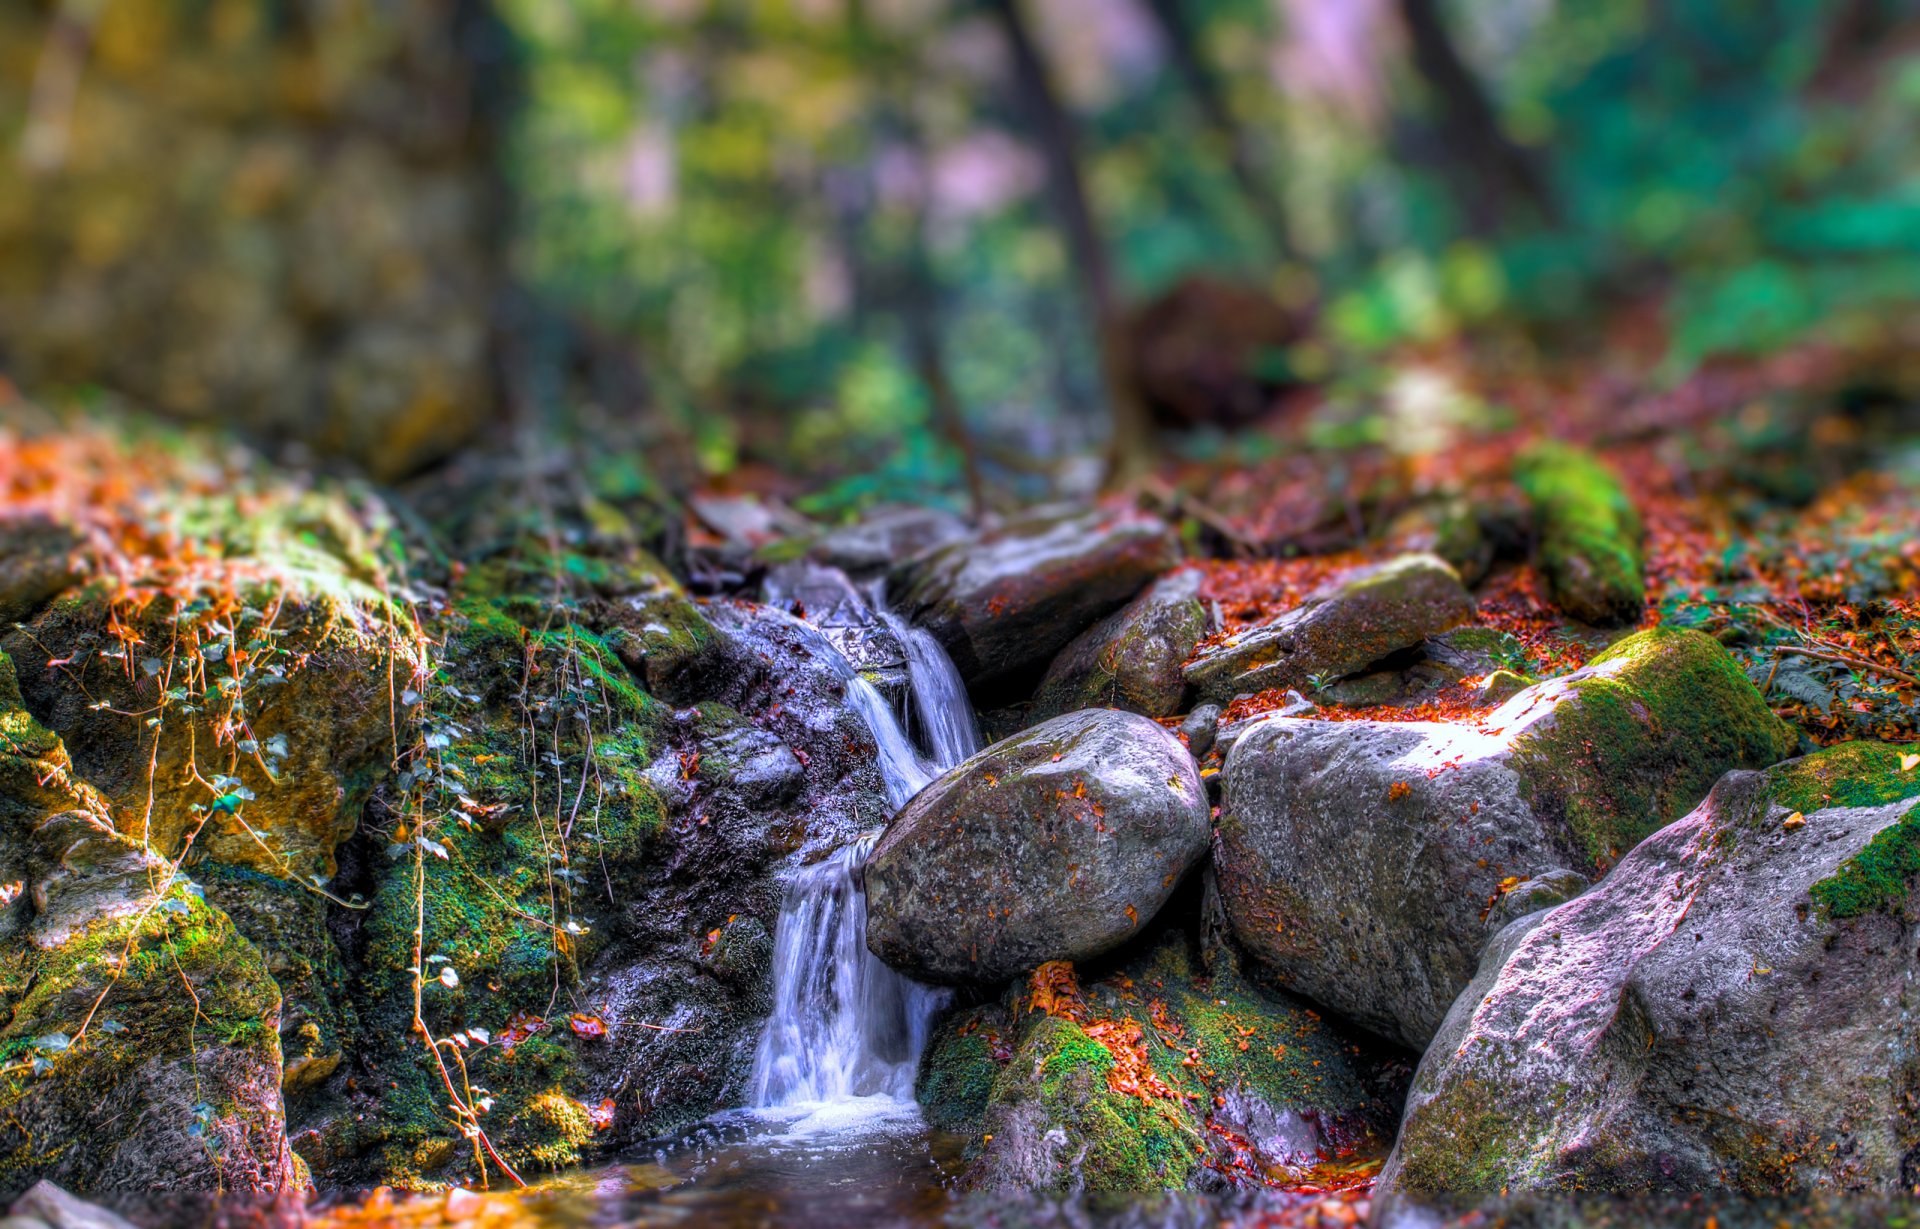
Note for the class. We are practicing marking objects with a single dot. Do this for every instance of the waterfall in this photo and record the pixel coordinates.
(940, 704)
(844, 1025)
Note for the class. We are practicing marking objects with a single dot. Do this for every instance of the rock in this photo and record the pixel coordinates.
(1346, 626)
(659, 634)
(825, 597)
(88, 873)
(1543, 891)
(1004, 602)
(56, 1209)
(1132, 658)
(38, 560)
(745, 758)
(1158, 1074)
(1589, 533)
(885, 535)
(1059, 843)
(1204, 352)
(1362, 860)
(1477, 651)
(1731, 1008)
(167, 1090)
(1201, 727)
(1502, 685)
(1449, 529)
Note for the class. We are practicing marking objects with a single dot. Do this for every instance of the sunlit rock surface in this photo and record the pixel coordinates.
(1731, 1008)
(1363, 861)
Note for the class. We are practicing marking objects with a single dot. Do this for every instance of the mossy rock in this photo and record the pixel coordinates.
(1133, 1082)
(1636, 738)
(1365, 862)
(174, 1084)
(1589, 532)
(1763, 943)
(1131, 659)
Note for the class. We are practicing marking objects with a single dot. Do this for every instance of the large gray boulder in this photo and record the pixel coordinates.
(1733, 1008)
(1059, 843)
(1004, 602)
(1342, 628)
(1364, 861)
(1132, 658)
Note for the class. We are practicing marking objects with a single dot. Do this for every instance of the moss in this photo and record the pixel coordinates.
(1851, 774)
(1878, 876)
(1466, 1142)
(1130, 1143)
(957, 1075)
(1589, 532)
(189, 1020)
(1648, 728)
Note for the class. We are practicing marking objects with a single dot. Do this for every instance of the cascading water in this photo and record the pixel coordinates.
(940, 704)
(844, 1025)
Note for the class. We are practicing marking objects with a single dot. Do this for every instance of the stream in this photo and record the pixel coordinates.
(833, 1135)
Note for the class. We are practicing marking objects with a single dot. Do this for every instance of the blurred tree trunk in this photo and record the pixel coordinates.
(1129, 450)
(1210, 99)
(1491, 174)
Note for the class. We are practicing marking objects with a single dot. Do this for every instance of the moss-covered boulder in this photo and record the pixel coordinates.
(1132, 658)
(1589, 534)
(1348, 624)
(1731, 1008)
(1059, 843)
(140, 1054)
(1004, 602)
(1160, 1073)
(1363, 861)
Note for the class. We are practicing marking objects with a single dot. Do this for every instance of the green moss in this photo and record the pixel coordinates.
(1466, 1143)
(193, 1004)
(1878, 876)
(1131, 1144)
(1851, 774)
(958, 1073)
(1589, 533)
(1648, 729)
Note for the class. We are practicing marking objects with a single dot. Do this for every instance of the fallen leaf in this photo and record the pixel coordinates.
(584, 1025)
(1907, 762)
(1793, 821)
(601, 1115)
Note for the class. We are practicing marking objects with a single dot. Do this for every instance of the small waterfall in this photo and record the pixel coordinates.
(940, 704)
(844, 1025)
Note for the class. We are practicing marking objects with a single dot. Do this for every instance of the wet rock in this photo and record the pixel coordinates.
(1729, 1009)
(1201, 727)
(1131, 659)
(1360, 860)
(1056, 844)
(54, 1208)
(1349, 624)
(826, 598)
(1004, 602)
(753, 762)
(1160, 1073)
(1589, 532)
(885, 535)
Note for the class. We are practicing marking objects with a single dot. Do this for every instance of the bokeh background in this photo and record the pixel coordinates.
(880, 247)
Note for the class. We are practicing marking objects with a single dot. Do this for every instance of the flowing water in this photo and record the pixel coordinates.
(833, 1135)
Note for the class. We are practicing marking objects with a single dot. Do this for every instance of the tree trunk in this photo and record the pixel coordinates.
(1129, 449)
(1491, 174)
(1210, 99)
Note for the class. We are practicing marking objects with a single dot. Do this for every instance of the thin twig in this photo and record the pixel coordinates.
(1858, 663)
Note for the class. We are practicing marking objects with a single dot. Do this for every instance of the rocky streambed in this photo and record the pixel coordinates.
(341, 854)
